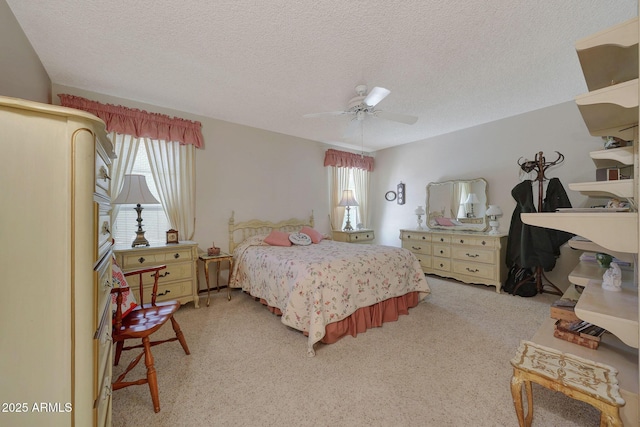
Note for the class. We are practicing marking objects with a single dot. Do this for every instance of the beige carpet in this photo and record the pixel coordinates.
(445, 364)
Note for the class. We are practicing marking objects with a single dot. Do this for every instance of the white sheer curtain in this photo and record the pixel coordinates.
(361, 190)
(173, 168)
(125, 147)
(338, 182)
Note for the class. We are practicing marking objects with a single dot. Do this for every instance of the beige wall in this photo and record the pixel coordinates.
(490, 151)
(22, 73)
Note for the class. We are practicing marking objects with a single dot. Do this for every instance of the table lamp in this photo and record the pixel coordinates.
(348, 200)
(471, 199)
(419, 212)
(494, 212)
(135, 191)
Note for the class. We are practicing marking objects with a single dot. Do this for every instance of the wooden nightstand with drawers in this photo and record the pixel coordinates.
(178, 281)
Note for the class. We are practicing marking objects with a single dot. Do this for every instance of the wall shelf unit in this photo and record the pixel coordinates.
(609, 61)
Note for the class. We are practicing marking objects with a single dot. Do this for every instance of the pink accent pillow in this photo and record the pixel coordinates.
(278, 238)
(444, 221)
(128, 299)
(315, 235)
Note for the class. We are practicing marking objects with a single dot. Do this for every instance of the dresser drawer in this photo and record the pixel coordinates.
(414, 236)
(103, 284)
(441, 250)
(103, 400)
(102, 175)
(441, 239)
(442, 264)
(360, 236)
(485, 271)
(425, 261)
(417, 247)
(473, 254)
(474, 241)
(170, 291)
(172, 273)
(103, 229)
(133, 260)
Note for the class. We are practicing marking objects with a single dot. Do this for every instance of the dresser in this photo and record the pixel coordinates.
(55, 263)
(178, 282)
(355, 236)
(467, 256)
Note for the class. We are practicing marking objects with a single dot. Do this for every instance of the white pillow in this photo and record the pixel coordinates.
(300, 239)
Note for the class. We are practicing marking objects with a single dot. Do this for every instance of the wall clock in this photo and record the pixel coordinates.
(390, 196)
(401, 194)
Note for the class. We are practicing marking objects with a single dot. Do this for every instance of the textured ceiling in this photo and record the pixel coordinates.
(265, 64)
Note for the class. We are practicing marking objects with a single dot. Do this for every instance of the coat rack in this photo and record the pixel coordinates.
(540, 166)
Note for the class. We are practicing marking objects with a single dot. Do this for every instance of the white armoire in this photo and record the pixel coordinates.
(55, 267)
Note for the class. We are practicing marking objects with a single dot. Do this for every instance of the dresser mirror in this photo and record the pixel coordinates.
(457, 205)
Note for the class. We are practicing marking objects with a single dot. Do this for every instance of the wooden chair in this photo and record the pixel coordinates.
(140, 323)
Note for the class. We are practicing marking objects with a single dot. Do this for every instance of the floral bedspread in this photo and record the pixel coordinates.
(326, 282)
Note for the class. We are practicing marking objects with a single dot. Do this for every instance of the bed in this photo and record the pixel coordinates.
(326, 289)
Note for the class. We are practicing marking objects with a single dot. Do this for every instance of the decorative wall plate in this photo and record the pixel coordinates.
(390, 196)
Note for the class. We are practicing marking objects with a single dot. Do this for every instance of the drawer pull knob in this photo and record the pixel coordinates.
(141, 260)
(106, 338)
(461, 240)
(441, 265)
(472, 270)
(473, 255)
(441, 251)
(441, 239)
(163, 293)
(104, 174)
(484, 243)
(160, 275)
(176, 256)
(423, 237)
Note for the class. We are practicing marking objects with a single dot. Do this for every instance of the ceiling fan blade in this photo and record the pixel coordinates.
(376, 95)
(329, 113)
(402, 118)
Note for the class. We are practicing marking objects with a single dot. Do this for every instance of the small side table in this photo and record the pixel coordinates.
(206, 259)
(581, 379)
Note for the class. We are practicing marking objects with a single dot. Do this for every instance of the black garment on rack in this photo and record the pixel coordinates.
(529, 246)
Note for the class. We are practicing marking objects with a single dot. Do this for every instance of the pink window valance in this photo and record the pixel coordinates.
(343, 159)
(139, 123)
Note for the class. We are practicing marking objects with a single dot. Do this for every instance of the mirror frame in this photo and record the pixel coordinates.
(479, 222)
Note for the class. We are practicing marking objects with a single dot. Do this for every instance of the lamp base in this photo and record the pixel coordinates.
(140, 239)
(494, 227)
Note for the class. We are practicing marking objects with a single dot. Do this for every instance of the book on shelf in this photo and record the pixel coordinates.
(579, 332)
(564, 309)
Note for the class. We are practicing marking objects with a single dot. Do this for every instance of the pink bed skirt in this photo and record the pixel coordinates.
(366, 317)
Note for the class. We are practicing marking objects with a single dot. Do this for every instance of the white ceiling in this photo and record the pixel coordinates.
(265, 64)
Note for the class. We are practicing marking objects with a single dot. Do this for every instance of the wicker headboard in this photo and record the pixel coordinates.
(242, 230)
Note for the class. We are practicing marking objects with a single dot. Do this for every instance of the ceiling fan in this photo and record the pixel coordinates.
(363, 105)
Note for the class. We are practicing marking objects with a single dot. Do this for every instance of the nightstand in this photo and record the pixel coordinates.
(355, 236)
(218, 259)
(178, 282)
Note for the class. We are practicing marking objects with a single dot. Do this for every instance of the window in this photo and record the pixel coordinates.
(154, 220)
